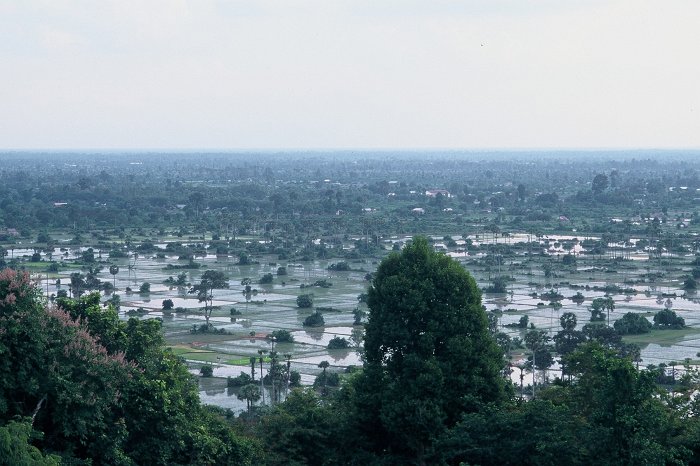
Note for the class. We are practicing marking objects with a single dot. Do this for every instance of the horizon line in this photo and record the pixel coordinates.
(341, 149)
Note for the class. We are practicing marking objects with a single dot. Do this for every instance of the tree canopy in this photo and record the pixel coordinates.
(100, 389)
(632, 323)
(429, 357)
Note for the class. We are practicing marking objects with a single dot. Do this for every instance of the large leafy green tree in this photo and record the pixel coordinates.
(429, 356)
(54, 370)
(160, 399)
(101, 389)
(632, 324)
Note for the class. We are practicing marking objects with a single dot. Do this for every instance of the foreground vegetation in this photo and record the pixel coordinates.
(84, 387)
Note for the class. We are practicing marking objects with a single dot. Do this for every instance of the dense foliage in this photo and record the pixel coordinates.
(429, 357)
(369, 194)
(98, 388)
(631, 324)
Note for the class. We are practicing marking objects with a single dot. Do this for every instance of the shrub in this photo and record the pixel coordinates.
(690, 284)
(240, 381)
(314, 320)
(358, 314)
(266, 279)
(338, 343)
(137, 312)
(206, 371)
(668, 319)
(632, 324)
(305, 301)
(204, 328)
(282, 336)
(568, 259)
(320, 283)
(327, 309)
(88, 256)
(499, 286)
(552, 295)
(522, 323)
(340, 267)
(332, 379)
(43, 237)
(294, 379)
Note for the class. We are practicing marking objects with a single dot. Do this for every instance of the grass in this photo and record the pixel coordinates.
(204, 338)
(245, 361)
(212, 357)
(180, 350)
(36, 266)
(662, 337)
(203, 355)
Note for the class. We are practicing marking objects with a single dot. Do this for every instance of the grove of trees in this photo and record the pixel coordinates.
(83, 387)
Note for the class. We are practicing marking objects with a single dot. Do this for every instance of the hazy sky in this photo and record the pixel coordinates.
(349, 74)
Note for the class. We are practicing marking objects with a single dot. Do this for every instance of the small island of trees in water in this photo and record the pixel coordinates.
(347, 308)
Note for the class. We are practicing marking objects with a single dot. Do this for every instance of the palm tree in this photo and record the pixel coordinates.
(77, 284)
(324, 365)
(275, 376)
(288, 357)
(250, 393)
(253, 360)
(673, 370)
(522, 376)
(114, 270)
(246, 282)
(609, 305)
(132, 267)
(262, 379)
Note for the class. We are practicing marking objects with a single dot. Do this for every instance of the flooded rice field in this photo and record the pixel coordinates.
(243, 319)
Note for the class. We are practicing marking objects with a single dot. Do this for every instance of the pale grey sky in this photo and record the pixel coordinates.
(349, 74)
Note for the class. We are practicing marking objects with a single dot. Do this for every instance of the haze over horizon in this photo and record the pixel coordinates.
(349, 75)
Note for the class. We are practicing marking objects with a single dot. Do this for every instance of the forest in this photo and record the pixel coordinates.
(350, 308)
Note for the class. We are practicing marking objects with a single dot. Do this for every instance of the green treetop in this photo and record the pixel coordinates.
(429, 357)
